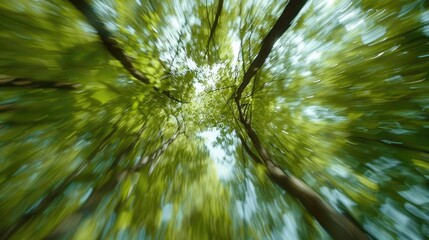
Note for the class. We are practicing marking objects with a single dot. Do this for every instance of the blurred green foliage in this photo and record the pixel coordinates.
(342, 102)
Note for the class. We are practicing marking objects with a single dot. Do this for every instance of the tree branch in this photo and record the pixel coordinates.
(112, 46)
(283, 23)
(219, 89)
(28, 83)
(215, 23)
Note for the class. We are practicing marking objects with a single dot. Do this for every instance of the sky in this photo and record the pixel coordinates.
(223, 163)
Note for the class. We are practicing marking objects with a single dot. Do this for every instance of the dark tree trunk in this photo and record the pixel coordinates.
(334, 222)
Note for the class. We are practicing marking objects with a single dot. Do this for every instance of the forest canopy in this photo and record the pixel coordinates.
(214, 119)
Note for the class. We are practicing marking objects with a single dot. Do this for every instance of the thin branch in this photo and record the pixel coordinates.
(180, 43)
(240, 27)
(219, 89)
(207, 14)
(144, 161)
(252, 96)
(215, 24)
(246, 147)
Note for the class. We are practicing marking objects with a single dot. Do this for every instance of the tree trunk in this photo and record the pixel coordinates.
(335, 223)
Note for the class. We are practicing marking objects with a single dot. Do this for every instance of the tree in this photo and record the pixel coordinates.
(338, 226)
(105, 109)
